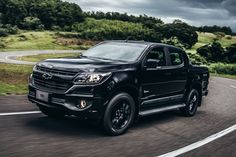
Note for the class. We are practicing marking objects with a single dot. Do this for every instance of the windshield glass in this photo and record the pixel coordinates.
(116, 51)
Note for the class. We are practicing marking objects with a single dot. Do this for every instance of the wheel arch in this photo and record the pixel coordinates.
(130, 89)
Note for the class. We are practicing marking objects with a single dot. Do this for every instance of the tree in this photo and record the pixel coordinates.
(214, 52)
(231, 53)
(49, 12)
(185, 33)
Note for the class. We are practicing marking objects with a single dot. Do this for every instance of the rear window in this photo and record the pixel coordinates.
(176, 57)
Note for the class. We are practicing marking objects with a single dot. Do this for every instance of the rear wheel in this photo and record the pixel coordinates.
(119, 114)
(191, 103)
(51, 113)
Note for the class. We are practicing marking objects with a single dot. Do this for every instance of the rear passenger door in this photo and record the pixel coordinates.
(178, 70)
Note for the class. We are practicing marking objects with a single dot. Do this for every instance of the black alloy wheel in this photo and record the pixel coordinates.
(119, 114)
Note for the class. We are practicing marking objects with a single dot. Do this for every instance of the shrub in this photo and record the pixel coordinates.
(221, 68)
(56, 28)
(197, 59)
(31, 23)
(213, 53)
(5, 30)
(231, 53)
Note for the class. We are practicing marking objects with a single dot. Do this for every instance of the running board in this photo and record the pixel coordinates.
(162, 109)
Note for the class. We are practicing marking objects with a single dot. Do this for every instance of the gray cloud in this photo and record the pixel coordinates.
(195, 12)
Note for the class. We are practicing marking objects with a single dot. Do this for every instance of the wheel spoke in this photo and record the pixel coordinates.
(121, 115)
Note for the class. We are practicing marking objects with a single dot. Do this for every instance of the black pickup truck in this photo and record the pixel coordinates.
(115, 82)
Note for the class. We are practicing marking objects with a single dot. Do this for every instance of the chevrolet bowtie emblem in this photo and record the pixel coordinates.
(47, 76)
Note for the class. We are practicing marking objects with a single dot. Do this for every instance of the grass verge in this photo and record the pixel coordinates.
(223, 75)
(14, 78)
(40, 57)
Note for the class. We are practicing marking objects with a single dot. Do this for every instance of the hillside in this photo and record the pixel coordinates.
(44, 40)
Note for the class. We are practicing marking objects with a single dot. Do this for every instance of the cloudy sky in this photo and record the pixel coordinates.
(195, 12)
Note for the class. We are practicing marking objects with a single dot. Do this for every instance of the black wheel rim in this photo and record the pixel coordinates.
(193, 102)
(120, 115)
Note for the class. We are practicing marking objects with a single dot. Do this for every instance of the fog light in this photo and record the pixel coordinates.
(82, 104)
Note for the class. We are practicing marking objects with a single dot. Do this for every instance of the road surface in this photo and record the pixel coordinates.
(35, 135)
(11, 57)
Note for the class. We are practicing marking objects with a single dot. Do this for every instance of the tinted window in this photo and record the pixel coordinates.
(157, 54)
(116, 51)
(176, 57)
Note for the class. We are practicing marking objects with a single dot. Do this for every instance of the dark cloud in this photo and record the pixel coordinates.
(195, 12)
(230, 5)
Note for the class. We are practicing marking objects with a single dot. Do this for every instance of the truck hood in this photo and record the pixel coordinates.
(85, 64)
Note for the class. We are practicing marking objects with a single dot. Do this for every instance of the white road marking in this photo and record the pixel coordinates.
(233, 86)
(199, 143)
(19, 113)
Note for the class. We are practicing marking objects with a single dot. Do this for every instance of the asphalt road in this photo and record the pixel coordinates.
(36, 135)
(11, 57)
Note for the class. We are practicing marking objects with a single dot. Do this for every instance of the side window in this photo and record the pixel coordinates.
(158, 54)
(176, 57)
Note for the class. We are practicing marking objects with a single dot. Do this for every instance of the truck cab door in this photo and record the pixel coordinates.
(178, 69)
(154, 76)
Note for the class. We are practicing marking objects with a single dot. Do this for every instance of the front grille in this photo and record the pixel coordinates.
(60, 82)
(51, 85)
(56, 71)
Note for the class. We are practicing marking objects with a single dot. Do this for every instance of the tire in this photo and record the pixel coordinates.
(119, 114)
(51, 113)
(191, 103)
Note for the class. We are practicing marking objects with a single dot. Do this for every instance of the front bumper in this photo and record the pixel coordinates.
(68, 102)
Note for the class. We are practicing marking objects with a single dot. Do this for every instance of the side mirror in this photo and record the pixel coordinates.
(152, 63)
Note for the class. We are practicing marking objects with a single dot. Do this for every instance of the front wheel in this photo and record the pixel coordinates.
(119, 114)
(191, 103)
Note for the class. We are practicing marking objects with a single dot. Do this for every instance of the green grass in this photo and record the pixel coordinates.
(14, 78)
(6, 89)
(208, 38)
(40, 57)
(31, 40)
(223, 75)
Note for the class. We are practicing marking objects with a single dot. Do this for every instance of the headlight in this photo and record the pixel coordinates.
(34, 68)
(92, 78)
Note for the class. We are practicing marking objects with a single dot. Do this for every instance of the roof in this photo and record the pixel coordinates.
(144, 43)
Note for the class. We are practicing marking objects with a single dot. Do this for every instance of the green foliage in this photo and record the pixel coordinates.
(213, 53)
(32, 23)
(173, 41)
(114, 29)
(197, 59)
(5, 30)
(221, 68)
(231, 53)
(49, 12)
(213, 29)
(147, 21)
(185, 34)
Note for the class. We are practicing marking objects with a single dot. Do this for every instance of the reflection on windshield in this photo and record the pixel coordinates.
(116, 51)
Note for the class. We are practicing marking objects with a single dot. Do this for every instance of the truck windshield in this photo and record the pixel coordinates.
(116, 51)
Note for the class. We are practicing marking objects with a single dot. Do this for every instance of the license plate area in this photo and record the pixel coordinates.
(43, 96)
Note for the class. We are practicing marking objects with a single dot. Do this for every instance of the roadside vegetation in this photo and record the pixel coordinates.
(40, 57)
(14, 78)
(42, 40)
